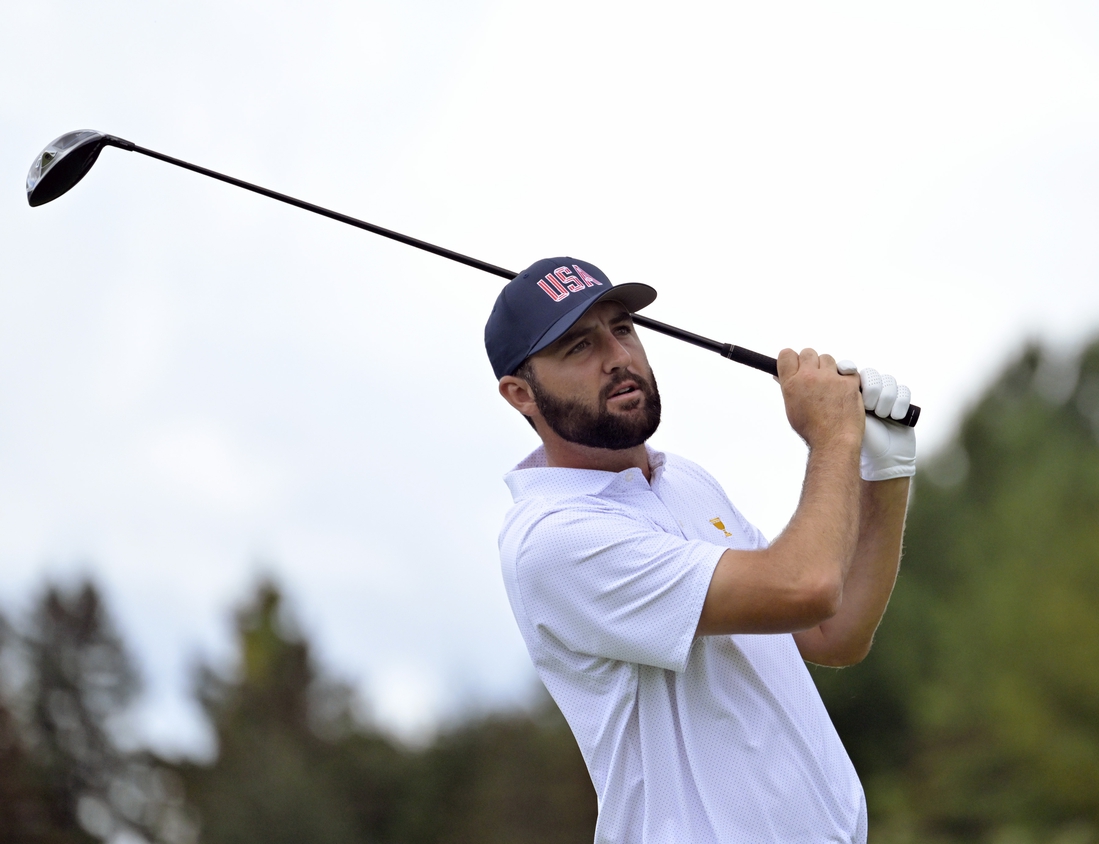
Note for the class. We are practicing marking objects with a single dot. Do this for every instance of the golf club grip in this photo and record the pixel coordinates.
(749, 358)
(770, 365)
(742, 355)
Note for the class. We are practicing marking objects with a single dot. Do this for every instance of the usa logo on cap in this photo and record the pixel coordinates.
(561, 283)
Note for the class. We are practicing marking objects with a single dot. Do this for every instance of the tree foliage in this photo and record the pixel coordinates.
(64, 778)
(296, 764)
(290, 767)
(506, 778)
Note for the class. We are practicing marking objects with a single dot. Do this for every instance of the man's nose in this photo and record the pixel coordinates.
(618, 357)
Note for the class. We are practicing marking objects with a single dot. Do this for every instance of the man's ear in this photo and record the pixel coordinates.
(518, 394)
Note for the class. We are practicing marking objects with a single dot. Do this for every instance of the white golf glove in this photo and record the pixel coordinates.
(888, 449)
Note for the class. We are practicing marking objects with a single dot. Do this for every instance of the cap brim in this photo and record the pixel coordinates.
(633, 295)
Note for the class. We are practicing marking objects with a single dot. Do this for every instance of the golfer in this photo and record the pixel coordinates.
(668, 630)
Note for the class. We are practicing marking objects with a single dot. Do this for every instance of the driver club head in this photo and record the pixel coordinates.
(64, 162)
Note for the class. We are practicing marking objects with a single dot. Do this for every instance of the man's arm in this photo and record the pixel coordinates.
(828, 577)
(845, 638)
(886, 463)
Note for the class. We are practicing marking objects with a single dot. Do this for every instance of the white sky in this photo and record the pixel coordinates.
(198, 384)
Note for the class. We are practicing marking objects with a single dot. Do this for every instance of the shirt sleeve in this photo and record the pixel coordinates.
(608, 584)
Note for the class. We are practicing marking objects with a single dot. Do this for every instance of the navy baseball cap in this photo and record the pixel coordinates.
(542, 303)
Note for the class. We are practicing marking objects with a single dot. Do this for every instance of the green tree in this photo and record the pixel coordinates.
(64, 778)
(976, 716)
(25, 811)
(79, 677)
(507, 777)
(293, 764)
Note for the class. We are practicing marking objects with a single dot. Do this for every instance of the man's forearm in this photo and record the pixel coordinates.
(845, 638)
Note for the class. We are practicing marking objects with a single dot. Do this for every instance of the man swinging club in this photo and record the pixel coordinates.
(670, 633)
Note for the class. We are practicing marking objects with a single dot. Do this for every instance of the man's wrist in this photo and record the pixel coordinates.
(841, 445)
(840, 455)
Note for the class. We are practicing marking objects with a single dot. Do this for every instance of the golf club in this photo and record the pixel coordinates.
(67, 159)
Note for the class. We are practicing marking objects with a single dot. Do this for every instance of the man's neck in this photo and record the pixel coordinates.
(565, 455)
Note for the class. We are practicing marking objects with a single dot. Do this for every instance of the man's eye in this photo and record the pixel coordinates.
(578, 347)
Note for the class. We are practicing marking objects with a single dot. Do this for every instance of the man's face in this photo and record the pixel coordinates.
(594, 386)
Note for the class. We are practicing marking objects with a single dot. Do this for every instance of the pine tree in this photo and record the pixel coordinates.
(293, 763)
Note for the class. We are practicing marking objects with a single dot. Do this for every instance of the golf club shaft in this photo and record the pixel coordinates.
(324, 212)
(727, 350)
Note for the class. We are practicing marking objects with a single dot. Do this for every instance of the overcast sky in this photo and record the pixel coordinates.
(198, 384)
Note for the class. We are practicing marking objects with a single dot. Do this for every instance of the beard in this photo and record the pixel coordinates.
(577, 423)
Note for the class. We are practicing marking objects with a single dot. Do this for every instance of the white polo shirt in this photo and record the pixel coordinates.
(715, 739)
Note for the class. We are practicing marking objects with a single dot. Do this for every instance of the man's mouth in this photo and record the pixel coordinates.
(625, 390)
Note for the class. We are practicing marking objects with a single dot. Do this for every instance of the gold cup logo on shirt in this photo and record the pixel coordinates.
(717, 523)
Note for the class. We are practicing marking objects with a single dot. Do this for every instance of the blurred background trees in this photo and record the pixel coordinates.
(296, 761)
(292, 765)
(65, 772)
(974, 719)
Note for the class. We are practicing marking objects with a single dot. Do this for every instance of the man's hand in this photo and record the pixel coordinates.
(822, 402)
(888, 449)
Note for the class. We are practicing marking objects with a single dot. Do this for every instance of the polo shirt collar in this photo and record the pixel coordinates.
(532, 478)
